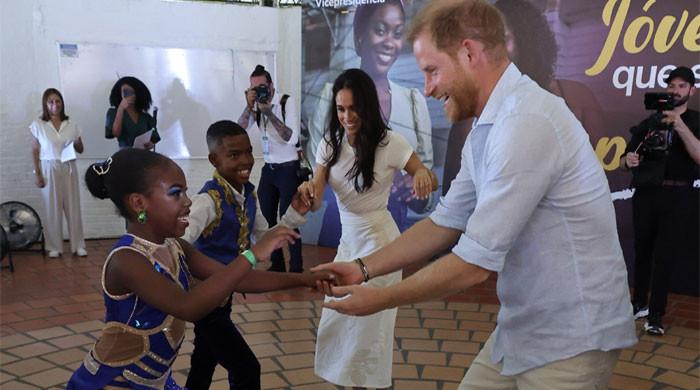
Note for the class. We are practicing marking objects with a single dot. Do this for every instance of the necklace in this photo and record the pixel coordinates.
(241, 215)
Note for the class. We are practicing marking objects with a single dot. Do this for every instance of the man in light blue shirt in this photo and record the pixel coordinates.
(531, 203)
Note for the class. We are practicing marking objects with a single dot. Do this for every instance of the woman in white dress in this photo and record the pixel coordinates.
(378, 37)
(358, 158)
(55, 140)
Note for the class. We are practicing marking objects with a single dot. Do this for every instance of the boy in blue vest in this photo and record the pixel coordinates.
(224, 217)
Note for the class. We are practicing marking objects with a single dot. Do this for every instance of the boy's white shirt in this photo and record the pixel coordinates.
(203, 212)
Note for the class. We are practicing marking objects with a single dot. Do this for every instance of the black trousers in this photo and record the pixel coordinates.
(278, 184)
(662, 224)
(217, 341)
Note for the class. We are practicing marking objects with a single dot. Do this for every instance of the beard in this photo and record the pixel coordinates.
(679, 100)
(463, 100)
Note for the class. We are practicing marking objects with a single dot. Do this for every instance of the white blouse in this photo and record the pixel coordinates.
(392, 155)
(55, 144)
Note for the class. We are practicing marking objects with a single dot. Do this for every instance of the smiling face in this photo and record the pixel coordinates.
(347, 115)
(167, 205)
(447, 79)
(233, 159)
(54, 105)
(380, 44)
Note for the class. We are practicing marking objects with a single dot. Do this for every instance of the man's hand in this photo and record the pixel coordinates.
(362, 300)
(673, 118)
(632, 159)
(250, 96)
(345, 273)
(312, 279)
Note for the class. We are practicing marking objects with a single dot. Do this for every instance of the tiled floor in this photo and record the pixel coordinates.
(50, 313)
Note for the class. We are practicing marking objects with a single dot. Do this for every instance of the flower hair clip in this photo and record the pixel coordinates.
(103, 167)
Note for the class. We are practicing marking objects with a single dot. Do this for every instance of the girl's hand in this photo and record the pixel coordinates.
(422, 183)
(310, 279)
(273, 240)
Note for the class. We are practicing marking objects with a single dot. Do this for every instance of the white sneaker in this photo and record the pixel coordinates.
(81, 252)
(641, 312)
(54, 254)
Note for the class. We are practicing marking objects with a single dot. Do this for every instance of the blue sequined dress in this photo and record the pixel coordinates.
(139, 343)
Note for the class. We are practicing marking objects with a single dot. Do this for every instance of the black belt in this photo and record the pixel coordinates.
(676, 183)
(281, 165)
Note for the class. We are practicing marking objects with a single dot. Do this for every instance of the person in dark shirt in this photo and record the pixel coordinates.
(128, 116)
(664, 197)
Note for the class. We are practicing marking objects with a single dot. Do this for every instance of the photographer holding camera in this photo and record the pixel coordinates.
(663, 155)
(275, 120)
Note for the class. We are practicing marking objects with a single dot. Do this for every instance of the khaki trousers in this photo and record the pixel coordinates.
(587, 371)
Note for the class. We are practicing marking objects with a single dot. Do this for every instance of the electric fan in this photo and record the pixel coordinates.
(21, 224)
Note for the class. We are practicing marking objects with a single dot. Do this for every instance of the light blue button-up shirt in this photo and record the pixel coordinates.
(535, 206)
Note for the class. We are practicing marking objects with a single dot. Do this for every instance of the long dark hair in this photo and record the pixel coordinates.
(371, 132)
(129, 171)
(45, 116)
(143, 95)
(533, 38)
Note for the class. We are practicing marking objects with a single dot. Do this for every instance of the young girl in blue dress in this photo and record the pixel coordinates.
(147, 276)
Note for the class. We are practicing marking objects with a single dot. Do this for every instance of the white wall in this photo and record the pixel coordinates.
(29, 63)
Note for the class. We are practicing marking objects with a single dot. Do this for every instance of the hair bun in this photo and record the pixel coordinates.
(259, 68)
(96, 182)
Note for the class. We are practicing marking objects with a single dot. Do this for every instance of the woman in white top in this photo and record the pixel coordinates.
(358, 158)
(54, 144)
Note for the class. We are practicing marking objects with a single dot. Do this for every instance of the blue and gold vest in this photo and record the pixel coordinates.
(139, 343)
(229, 234)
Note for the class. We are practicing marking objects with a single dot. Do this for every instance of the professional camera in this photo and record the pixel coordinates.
(659, 135)
(262, 93)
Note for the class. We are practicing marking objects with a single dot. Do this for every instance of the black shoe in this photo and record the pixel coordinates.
(639, 311)
(277, 268)
(653, 325)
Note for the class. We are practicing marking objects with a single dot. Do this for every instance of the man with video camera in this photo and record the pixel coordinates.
(663, 155)
(275, 120)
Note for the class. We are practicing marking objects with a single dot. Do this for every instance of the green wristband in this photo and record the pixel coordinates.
(250, 256)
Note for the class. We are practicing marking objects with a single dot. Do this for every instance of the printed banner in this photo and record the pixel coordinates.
(600, 56)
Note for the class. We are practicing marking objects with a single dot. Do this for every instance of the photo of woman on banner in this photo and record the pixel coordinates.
(378, 33)
(533, 49)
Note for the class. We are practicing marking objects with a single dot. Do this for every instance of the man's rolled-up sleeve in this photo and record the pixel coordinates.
(453, 209)
(518, 170)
